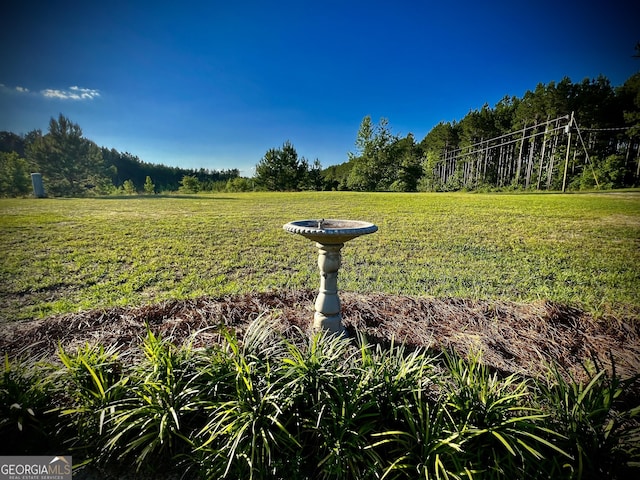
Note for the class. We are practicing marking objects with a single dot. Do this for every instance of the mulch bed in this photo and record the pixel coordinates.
(512, 337)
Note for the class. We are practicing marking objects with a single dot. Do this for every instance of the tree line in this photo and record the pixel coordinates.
(72, 165)
(581, 135)
(560, 135)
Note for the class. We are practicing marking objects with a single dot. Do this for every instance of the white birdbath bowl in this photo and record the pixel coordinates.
(330, 236)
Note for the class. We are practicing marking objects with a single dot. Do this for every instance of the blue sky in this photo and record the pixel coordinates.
(215, 84)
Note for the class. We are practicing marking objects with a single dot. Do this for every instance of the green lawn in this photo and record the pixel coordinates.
(64, 255)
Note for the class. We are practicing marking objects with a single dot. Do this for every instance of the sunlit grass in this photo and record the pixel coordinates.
(63, 255)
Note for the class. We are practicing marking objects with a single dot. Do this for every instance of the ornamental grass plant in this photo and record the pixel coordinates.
(283, 404)
(26, 423)
(595, 418)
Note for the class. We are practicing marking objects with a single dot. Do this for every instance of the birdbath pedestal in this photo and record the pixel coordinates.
(330, 236)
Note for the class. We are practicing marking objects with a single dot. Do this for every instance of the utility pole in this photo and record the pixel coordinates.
(566, 159)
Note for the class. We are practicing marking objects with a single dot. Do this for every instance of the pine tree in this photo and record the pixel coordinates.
(149, 187)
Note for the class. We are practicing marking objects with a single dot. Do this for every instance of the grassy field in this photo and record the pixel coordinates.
(64, 255)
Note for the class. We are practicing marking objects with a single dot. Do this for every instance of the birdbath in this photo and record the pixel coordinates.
(330, 236)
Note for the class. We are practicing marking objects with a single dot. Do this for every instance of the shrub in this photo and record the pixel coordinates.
(153, 423)
(599, 430)
(500, 432)
(90, 382)
(324, 406)
(26, 422)
(246, 434)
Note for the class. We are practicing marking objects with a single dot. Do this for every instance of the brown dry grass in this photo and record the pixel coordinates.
(512, 337)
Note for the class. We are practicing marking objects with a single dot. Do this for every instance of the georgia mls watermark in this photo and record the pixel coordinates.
(40, 467)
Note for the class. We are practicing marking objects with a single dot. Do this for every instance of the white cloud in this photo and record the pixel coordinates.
(73, 93)
(18, 89)
(55, 93)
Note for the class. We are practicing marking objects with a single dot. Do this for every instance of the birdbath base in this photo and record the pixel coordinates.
(327, 314)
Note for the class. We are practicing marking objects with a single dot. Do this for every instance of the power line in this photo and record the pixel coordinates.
(502, 144)
(612, 129)
(481, 158)
(487, 144)
(523, 130)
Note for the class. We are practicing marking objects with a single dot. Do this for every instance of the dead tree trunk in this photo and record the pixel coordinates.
(510, 165)
(552, 157)
(486, 158)
(524, 130)
(532, 144)
(544, 147)
(501, 166)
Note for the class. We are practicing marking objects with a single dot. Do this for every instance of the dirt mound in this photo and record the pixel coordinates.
(512, 337)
